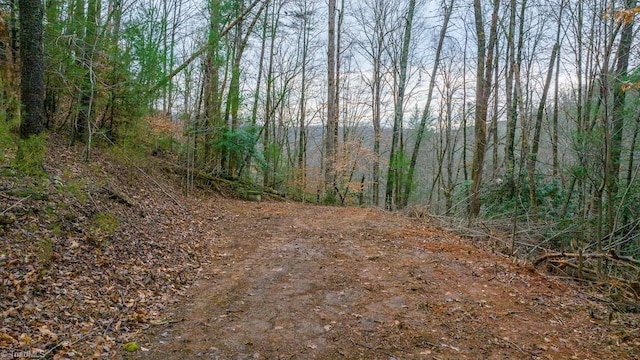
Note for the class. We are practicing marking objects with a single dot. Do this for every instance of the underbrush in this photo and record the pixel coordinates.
(558, 247)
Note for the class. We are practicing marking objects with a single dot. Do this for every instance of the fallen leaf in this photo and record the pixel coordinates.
(46, 332)
(131, 346)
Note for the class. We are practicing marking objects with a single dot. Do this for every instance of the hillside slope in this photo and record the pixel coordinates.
(91, 253)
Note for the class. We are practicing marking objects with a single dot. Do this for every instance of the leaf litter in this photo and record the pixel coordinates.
(83, 272)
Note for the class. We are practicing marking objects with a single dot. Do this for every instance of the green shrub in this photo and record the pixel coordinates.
(330, 198)
(501, 198)
(241, 144)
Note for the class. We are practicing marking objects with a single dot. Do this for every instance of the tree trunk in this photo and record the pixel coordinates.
(483, 90)
(301, 161)
(535, 144)
(393, 170)
(556, 98)
(233, 95)
(618, 111)
(32, 59)
(408, 186)
(509, 94)
(376, 130)
(263, 43)
(302, 119)
(332, 114)
(212, 93)
(494, 118)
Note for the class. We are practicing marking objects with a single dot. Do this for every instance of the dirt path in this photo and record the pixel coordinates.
(293, 281)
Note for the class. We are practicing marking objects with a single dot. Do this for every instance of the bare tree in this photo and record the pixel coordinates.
(535, 143)
(332, 111)
(304, 15)
(484, 70)
(374, 28)
(393, 173)
(408, 185)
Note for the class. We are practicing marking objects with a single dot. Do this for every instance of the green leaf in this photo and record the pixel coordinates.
(131, 346)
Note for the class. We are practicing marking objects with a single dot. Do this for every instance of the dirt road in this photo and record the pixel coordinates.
(294, 281)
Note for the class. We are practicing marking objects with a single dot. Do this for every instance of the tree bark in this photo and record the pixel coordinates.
(305, 14)
(270, 104)
(32, 59)
(556, 99)
(510, 97)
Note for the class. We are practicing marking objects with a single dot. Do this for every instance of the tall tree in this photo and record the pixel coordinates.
(87, 86)
(304, 14)
(373, 20)
(535, 143)
(408, 183)
(32, 59)
(618, 113)
(510, 98)
(233, 100)
(212, 85)
(271, 101)
(484, 70)
(332, 111)
(393, 176)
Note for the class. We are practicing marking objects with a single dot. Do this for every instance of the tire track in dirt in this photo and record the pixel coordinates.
(294, 281)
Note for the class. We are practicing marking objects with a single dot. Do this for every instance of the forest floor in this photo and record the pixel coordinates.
(100, 255)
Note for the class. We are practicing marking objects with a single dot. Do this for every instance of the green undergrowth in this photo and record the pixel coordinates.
(132, 145)
(24, 157)
(7, 140)
(30, 156)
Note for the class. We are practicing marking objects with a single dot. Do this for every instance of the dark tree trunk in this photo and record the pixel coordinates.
(32, 57)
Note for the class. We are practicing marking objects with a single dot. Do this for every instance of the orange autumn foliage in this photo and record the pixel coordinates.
(626, 16)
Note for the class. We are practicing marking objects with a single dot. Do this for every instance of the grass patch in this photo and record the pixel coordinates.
(77, 190)
(8, 138)
(105, 222)
(30, 156)
(103, 225)
(34, 190)
(45, 250)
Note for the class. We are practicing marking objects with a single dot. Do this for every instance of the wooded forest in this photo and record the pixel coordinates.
(298, 179)
(517, 110)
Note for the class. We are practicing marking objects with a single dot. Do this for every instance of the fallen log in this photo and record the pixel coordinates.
(608, 256)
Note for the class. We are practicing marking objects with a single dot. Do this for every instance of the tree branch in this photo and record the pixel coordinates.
(204, 48)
